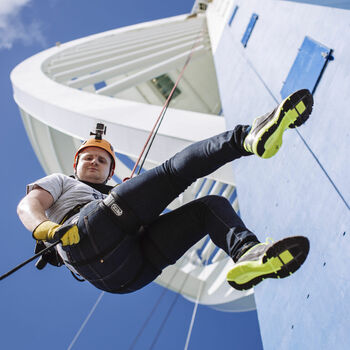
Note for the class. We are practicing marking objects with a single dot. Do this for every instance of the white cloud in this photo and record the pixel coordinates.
(12, 27)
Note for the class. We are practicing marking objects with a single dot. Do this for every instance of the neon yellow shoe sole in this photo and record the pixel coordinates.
(280, 260)
(265, 136)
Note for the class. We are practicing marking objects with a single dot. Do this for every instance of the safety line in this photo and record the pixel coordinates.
(172, 306)
(298, 132)
(164, 109)
(86, 320)
(29, 260)
(155, 307)
(168, 314)
(194, 313)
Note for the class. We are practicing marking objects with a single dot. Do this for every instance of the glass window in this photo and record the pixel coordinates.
(164, 85)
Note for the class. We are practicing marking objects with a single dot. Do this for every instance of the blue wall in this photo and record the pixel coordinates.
(305, 188)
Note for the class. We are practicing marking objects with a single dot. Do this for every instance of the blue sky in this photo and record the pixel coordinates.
(45, 309)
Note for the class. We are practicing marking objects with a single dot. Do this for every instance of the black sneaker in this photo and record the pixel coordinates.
(268, 260)
(265, 137)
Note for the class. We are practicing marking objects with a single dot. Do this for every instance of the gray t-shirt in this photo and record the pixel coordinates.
(67, 194)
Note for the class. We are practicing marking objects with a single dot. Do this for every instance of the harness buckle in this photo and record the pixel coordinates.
(124, 216)
(110, 202)
(116, 209)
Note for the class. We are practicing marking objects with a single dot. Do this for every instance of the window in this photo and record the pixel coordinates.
(99, 85)
(249, 29)
(164, 85)
(202, 6)
(233, 15)
(307, 68)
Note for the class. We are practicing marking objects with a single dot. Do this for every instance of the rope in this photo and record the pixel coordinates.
(86, 321)
(168, 314)
(160, 118)
(193, 317)
(155, 307)
(194, 314)
(29, 260)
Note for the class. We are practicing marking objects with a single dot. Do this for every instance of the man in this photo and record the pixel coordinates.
(119, 242)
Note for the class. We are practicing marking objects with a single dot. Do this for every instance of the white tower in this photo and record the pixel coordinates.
(122, 78)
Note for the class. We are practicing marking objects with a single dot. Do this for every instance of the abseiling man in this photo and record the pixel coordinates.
(117, 239)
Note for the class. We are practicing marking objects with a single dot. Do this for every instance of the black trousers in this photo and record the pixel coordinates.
(118, 261)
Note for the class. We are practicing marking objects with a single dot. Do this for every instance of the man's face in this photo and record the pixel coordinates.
(94, 165)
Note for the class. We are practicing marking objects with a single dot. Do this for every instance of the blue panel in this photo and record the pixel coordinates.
(307, 67)
(129, 163)
(233, 15)
(249, 29)
(100, 85)
(117, 179)
(125, 160)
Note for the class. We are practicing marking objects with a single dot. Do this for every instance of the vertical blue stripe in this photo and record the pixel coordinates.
(233, 15)
(249, 29)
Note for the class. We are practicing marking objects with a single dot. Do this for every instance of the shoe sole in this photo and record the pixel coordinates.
(291, 113)
(281, 260)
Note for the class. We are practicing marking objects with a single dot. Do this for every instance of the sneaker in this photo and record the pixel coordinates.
(265, 136)
(268, 260)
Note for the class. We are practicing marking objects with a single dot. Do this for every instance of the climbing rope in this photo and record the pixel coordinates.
(194, 313)
(86, 321)
(200, 290)
(29, 260)
(143, 327)
(154, 131)
(155, 307)
(168, 314)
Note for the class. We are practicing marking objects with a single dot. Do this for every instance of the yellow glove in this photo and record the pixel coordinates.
(50, 231)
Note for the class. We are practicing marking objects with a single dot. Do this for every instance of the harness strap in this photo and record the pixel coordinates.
(121, 213)
(72, 212)
(123, 216)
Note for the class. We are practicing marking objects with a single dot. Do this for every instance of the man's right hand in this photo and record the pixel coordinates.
(50, 231)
